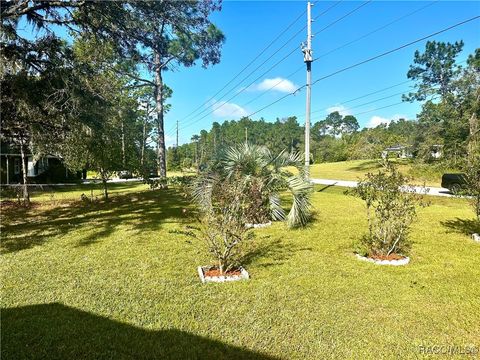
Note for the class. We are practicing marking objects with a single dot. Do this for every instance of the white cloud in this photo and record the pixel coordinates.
(342, 110)
(275, 84)
(226, 109)
(377, 120)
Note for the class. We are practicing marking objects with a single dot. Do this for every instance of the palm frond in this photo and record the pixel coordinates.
(275, 207)
(301, 190)
(202, 188)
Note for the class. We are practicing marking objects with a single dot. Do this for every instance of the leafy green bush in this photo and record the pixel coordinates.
(391, 208)
(472, 176)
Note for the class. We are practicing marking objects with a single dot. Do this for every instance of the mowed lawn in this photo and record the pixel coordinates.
(119, 281)
(353, 170)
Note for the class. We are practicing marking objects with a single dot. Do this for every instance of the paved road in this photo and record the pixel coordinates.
(435, 191)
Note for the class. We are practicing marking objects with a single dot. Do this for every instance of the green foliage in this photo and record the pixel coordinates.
(261, 176)
(223, 223)
(391, 209)
(435, 69)
(452, 98)
(472, 171)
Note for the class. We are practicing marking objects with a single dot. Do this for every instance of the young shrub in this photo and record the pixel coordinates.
(472, 177)
(223, 224)
(391, 208)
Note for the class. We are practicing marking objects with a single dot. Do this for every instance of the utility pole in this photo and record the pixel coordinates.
(246, 134)
(307, 58)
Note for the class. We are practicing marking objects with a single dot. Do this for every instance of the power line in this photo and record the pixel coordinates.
(222, 103)
(369, 94)
(246, 66)
(394, 50)
(362, 96)
(343, 17)
(363, 62)
(378, 29)
(368, 60)
(340, 47)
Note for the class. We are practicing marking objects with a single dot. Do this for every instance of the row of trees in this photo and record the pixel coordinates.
(341, 141)
(449, 93)
(97, 96)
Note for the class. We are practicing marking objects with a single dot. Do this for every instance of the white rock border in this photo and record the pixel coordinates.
(401, 262)
(258, 226)
(476, 237)
(220, 279)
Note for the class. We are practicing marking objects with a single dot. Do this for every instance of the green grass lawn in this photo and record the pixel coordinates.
(119, 281)
(58, 194)
(355, 169)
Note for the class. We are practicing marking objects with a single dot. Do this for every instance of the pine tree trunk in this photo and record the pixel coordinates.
(26, 196)
(161, 158)
(124, 160)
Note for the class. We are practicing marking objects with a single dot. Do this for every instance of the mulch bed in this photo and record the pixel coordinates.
(386, 257)
(216, 272)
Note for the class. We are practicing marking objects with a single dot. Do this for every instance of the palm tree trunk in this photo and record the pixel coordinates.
(162, 165)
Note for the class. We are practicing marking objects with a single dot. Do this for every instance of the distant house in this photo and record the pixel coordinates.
(436, 151)
(46, 169)
(398, 151)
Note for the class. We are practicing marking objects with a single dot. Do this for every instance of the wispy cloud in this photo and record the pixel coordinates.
(225, 109)
(378, 120)
(276, 84)
(342, 110)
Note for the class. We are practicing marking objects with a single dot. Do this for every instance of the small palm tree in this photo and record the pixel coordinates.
(262, 175)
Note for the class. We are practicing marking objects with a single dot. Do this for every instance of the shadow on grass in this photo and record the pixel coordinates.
(462, 226)
(143, 211)
(325, 188)
(366, 166)
(277, 251)
(56, 331)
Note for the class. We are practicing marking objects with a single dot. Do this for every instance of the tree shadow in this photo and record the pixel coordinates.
(276, 251)
(325, 188)
(143, 211)
(56, 331)
(462, 226)
(365, 166)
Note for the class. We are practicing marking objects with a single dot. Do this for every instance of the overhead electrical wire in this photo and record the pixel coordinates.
(261, 53)
(222, 103)
(302, 67)
(342, 17)
(248, 65)
(367, 60)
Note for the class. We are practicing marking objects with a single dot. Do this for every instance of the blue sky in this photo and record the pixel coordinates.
(250, 26)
